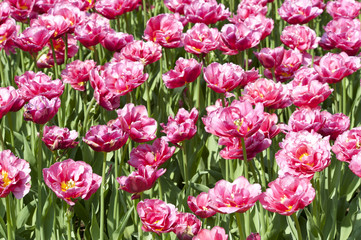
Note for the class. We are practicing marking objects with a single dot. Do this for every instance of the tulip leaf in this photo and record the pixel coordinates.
(118, 233)
(94, 228)
(23, 216)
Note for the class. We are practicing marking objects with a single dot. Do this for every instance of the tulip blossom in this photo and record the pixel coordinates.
(33, 39)
(140, 180)
(15, 175)
(21, 9)
(246, 9)
(355, 164)
(260, 24)
(335, 124)
(116, 41)
(286, 195)
(71, 13)
(270, 58)
(216, 233)
(343, 8)
(40, 109)
(71, 180)
(154, 155)
(111, 9)
(135, 120)
(177, 6)
(19, 102)
(139, 51)
(306, 119)
(207, 12)
(304, 153)
(56, 138)
(157, 216)
(238, 196)
(7, 31)
(299, 11)
(55, 23)
(4, 11)
(83, 5)
(188, 225)
(182, 126)
(185, 71)
(269, 126)
(299, 37)
(200, 205)
(224, 78)
(254, 236)
(77, 72)
(201, 39)
(7, 99)
(164, 29)
(347, 144)
(102, 138)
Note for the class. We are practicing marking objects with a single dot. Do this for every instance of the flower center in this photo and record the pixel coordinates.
(67, 185)
(238, 123)
(303, 155)
(6, 180)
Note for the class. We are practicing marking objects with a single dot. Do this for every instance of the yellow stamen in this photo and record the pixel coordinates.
(67, 185)
(6, 180)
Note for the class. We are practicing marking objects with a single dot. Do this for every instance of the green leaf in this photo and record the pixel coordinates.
(23, 216)
(118, 233)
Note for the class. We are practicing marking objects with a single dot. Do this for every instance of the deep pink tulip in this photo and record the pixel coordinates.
(18, 103)
(113, 8)
(102, 138)
(185, 71)
(216, 233)
(7, 99)
(139, 51)
(347, 144)
(115, 41)
(136, 122)
(270, 94)
(355, 164)
(240, 36)
(33, 39)
(225, 49)
(43, 6)
(343, 8)
(7, 31)
(306, 118)
(32, 84)
(15, 175)
(304, 153)
(254, 236)
(157, 216)
(154, 155)
(56, 138)
(182, 126)
(201, 39)
(70, 12)
(298, 11)
(238, 120)
(207, 12)
(238, 196)
(83, 5)
(164, 29)
(260, 24)
(269, 126)
(188, 225)
(286, 195)
(246, 9)
(270, 58)
(334, 67)
(56, 23)
(304, 75)
(140, 180)
(200, 205)
(224, 78)
(40, 109)
(4, 11)
(299, 37)
(177, 6)
(71, 180)
(77, 73)
(21, 9)
(335, 124)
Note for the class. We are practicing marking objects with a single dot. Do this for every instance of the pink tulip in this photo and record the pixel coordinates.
(139, 51)
(246, 9)
(177, 6)
(188, 225)
(7, 31)
(135, 120)
(270, 58)
(164, 29)
(113, 8)
(355, 164)
(260, 24)
(347, 144)
(224, 78)
(298, 11)
(200, 205)
(304, 153)
(185, 71)
(43, 6)
(116, 41)
(286, 195)
(21, 9)
(335, 124)
(33, 39)
(240, 36)
(254, 236)
(7, 100)
(83, 5)
(15, 175)
(182, 126)
(201, 39)
(56, 23)
(56, 138)
(71, 13)
(102, 138)
(140, 180)
(4, 11)
(343, 8)
(306, 119)
(299, 37)
(154, 155)
(269, 126)
(77, 72)
(207, 12)
(216, 233)
(71, 180)
(40, 109)
(19, 102)
(157, 216)
(238, 196)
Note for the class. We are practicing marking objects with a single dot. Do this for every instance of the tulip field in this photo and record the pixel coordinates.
(180, 119)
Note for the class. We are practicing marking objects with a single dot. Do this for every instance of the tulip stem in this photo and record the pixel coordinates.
(102, 190)
(297, 224)
(69, 216)
(65, 39)
(54, 58)
(344, 97)
(148, 99)
(1, 136)
(185, 164)
(9, 223)
(160, 190)
(245, 158)
(39, 222)
(239, 223)
(116, 201)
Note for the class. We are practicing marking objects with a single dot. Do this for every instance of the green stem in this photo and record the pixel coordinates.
(116, 201)
(245, 158)
(344, 97)
(160, 190)
(69, 215)
(148, 98)
(297, 224)
(86, 114)
(10, 230)
(65, 39)
(185, 164)
(145, 18)
(39, 222)
(242, 235)
(54, 58)
(102, 190)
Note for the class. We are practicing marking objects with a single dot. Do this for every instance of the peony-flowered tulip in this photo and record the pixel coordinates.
(140, 51)
(299, 37)
(254, 236)
(40, 109)
(140, 180)
(335, 124)
(177, 6)
(182, 126)
(306, 118)
(14, 175)
(154, 155)
(4, 11)
(56, 138)
(238, 196)
(164, 29)
(102, 138)
(116, 41)
(185, 71)
(200, 205)
(7, 31)
(299, 11)
(216, 233)
(21, 9)
(260, 24)
(240, 36)
(18, 103)
(55, 23)
(111, 9)
(157, 216)
(188, 225)
(286, 195)
(7, 99)
(207, 12)
(355, 164)
(201, 39)
(304, 153)
(77, 72)
(33, 39)
(71, 13)
(347, 144)
(343, 8)
(71, 180)
(246, 9)
(269, 126)
(270, 58)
